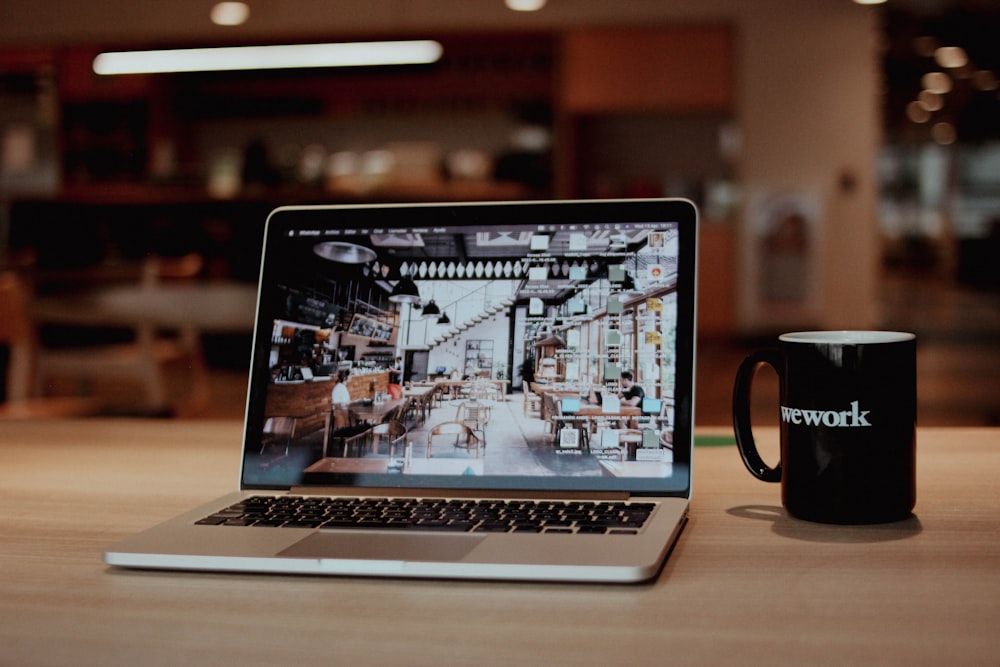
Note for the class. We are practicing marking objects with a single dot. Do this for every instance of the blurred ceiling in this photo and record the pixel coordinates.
(123, 22)
(971, 24)
(177, 22)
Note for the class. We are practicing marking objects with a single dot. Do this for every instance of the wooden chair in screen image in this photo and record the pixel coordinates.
(419, 408)
(475, 415)
(278, 431)
(532, 402)
(392, 432)
(456, 432)
(341, 430)
(397, 414)
(549, 412)
(356, 438)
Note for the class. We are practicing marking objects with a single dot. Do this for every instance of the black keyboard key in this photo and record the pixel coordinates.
(237, 522)
(213, 520)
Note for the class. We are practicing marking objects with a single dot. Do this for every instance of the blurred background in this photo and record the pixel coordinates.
(845, 158)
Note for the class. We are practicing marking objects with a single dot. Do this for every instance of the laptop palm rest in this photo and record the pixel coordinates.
(384, 546)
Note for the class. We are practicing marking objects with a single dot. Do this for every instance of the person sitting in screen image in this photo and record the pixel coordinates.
(631, 393)
(396, 372)
(341, 396)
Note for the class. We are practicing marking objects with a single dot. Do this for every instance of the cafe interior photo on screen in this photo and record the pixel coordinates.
(535, 351)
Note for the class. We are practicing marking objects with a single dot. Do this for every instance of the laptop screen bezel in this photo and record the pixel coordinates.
(681, 212)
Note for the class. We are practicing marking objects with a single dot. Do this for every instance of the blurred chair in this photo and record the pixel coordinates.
(184, 343)
(456, 430)
(142, 359)
(17, 334)
(88, 370)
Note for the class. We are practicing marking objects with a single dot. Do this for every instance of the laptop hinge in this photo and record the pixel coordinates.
(455, 493)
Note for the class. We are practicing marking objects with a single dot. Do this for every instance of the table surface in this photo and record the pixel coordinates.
(374, 411)
(745, 584)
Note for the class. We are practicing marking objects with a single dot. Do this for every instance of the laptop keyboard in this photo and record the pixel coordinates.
(459, 515)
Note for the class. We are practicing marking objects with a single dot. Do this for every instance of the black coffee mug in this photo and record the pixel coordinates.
(848, 415)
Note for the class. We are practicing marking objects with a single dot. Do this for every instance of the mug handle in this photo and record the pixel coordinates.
(741, 414)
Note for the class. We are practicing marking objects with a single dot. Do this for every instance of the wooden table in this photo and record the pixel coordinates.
(745, 584)
(456, 387)
(349, 465)
(373, 412)
(596, 411)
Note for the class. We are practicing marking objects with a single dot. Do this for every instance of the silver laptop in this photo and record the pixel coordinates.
(421, 399)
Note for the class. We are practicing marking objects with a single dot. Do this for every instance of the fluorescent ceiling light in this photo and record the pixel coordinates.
(351, 54)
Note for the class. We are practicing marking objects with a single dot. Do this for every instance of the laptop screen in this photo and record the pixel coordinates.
(464, 345)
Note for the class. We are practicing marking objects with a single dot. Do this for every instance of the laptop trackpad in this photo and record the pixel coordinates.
(384, 546)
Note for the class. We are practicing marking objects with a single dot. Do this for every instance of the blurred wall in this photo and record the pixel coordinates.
(807, 115)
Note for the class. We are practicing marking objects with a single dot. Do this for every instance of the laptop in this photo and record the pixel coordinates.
(414, 487)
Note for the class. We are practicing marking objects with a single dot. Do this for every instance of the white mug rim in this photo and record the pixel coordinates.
(846, 337)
